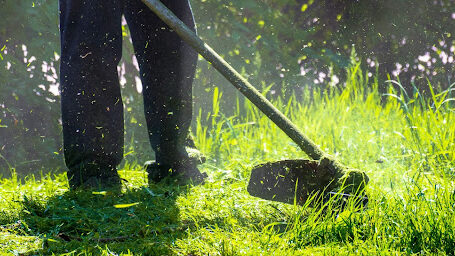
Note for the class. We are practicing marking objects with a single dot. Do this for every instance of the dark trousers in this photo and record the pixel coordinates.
(92, 109)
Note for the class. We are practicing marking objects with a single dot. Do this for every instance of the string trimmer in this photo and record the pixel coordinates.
(288, 180)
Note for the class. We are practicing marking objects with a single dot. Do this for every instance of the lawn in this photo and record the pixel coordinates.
(404, 142)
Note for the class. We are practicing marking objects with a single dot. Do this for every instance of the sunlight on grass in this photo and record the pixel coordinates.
(404, 142)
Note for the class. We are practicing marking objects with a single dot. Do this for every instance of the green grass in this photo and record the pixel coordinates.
(404, 142)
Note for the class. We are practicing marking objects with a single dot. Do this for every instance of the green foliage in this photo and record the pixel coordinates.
(28, 109)
(30, 123)
(288, 37)
(404, 144)
(281, 45)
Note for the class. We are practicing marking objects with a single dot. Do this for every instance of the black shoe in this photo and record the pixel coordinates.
(157, 172)
(180, 173)
(184, 166)
(189, 175)
(109, 180)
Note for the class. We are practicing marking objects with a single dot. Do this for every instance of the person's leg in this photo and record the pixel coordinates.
(91, 103)
(167, 66)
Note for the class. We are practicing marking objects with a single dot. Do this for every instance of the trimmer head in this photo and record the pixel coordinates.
(296, 180)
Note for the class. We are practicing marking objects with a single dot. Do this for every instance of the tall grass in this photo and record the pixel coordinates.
(404, 141)
(388, 135)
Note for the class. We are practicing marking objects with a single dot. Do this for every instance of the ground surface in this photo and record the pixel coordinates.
(405, 146)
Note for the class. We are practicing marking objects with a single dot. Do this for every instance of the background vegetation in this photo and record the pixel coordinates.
(287, 46)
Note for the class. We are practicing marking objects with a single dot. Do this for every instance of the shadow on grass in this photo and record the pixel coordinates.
(144, 220)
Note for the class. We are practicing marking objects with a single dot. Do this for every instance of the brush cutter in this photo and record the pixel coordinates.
(290, 181)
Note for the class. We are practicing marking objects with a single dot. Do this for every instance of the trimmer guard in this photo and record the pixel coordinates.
(295, 180)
